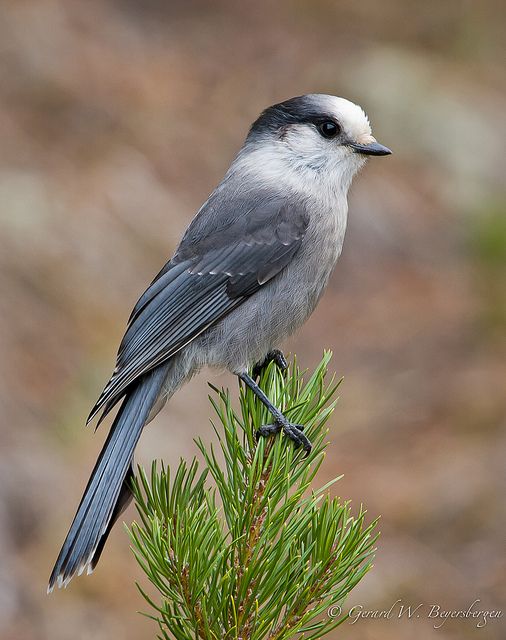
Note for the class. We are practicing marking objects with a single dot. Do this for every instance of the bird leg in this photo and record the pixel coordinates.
(292, 431)
(276, 356)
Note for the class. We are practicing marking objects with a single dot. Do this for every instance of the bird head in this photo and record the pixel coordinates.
(317, 136)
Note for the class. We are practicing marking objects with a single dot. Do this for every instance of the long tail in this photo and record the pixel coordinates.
(107, 492)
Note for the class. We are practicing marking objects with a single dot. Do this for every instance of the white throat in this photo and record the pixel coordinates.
(321, 177)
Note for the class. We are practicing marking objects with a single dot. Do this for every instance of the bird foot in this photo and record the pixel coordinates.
(292, 431)
(276, 356)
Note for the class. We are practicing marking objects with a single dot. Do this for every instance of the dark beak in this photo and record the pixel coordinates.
(371, 149)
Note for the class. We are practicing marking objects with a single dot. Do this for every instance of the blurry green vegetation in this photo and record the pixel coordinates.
(489, 236)
(488, 245)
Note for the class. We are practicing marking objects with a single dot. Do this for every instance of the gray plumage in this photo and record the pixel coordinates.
(249, 270)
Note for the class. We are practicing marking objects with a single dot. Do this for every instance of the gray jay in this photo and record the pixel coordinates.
(249, 270)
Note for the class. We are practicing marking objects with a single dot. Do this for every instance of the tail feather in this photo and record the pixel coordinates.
(100, 501)
(124, 499)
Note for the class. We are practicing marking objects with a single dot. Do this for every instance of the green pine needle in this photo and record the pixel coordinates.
(256, 554)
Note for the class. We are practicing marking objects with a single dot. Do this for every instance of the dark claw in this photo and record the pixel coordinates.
(273, 356)
(292, 431)
(279, 358)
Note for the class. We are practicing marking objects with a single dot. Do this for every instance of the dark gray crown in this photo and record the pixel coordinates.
(298, 110)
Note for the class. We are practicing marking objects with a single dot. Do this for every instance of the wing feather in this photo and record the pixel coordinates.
(207, 278)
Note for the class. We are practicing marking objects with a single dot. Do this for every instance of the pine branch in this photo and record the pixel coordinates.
(256, 554)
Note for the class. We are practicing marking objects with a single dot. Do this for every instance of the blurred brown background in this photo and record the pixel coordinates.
(116, 121)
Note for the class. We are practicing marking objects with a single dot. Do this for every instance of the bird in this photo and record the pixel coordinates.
(249, 271)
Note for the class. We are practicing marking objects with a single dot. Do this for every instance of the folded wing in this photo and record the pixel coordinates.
(209, 276)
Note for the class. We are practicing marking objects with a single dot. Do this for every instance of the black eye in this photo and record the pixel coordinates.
(329, 129)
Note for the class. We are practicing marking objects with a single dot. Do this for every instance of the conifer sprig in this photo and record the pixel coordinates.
(245, 549)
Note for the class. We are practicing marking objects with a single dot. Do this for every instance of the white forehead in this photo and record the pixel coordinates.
(352, 117)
